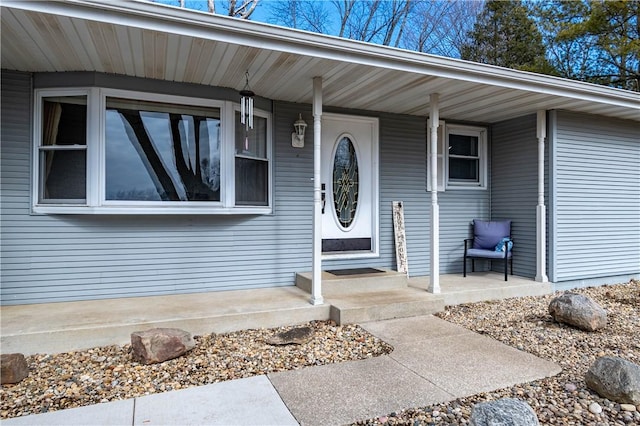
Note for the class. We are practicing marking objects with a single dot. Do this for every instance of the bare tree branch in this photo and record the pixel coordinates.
(345, 7)
(404, 15)
(243, 11)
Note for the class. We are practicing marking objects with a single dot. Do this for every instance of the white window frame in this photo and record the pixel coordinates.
(36, 183)
(443, 156)
(96, 202)
(232, 157)
(481, 134)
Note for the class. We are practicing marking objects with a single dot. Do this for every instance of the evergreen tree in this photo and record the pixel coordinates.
(575, 57)
(613, 27)
(506, 36)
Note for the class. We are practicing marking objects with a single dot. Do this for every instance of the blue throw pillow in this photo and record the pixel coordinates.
(500, 246)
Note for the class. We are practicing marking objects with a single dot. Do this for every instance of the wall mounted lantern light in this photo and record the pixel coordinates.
(297, 138)
(246, 104)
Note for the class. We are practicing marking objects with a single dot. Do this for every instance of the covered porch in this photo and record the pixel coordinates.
(67, 326)
(292, 73)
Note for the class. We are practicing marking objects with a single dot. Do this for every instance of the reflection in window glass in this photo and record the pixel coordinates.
(64, 174)
(464, 160)
(253, 142)
(252, 181)
(161, 152)
(463, 145)
(464, 169)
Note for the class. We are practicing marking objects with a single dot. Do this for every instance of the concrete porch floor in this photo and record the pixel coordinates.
(483, 286)
(66, 326)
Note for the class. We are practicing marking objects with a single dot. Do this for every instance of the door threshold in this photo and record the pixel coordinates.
(332, 255)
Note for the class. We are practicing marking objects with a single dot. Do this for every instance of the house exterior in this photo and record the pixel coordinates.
(127, 170)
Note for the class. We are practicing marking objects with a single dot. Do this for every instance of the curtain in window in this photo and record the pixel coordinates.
(52, 112)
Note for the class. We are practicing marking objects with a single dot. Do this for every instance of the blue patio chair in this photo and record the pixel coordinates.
(491, 240)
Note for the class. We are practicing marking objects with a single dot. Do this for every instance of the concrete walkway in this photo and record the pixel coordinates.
(433, 361)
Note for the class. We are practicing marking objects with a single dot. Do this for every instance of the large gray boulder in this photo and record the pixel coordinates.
(13, 368)
(503, 412)
(160, 344)
(579, 311)
(616, 379)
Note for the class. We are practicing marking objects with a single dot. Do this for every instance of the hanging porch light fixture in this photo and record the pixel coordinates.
(246, 104)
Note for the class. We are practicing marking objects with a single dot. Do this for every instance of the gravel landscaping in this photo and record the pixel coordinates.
(525, 323)
(80, 378)
(104, 374)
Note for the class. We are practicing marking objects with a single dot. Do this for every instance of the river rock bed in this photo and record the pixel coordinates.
(525, 323)
(79, 378)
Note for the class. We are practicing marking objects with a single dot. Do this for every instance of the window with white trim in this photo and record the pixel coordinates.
(62, 151)
(114, 151)
(251, 163)
(462, 157)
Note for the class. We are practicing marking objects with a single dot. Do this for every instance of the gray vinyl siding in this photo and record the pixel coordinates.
(458, 208)
(596, 197)
(15, 167)
(75, 257)
(403, 173)
(514, 187)
(48, 258)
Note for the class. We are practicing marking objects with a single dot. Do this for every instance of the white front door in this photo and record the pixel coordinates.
(350, 186)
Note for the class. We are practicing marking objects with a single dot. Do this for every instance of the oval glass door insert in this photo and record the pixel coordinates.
(345, 182)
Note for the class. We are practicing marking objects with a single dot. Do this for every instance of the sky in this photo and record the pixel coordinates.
(261, 14)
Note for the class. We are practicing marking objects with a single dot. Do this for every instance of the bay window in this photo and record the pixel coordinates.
(114, 151)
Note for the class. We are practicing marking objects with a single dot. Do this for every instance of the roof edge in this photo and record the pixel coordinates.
(200, 24)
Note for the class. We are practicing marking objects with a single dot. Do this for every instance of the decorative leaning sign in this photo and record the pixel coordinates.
(402, 260)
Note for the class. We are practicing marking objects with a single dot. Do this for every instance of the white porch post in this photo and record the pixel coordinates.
(434, 278)
(316, 283)
(541, 214)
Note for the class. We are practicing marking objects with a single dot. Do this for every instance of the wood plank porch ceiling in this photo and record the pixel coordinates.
(159, 42)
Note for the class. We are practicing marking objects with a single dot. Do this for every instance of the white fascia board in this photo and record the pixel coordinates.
(175, 20)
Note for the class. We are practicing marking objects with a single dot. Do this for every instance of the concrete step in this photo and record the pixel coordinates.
(381, 305)
(457, 295)
(333, 285)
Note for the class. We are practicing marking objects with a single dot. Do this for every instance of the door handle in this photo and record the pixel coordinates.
(324, 197)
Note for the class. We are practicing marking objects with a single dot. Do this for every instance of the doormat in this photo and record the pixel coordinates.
(355, 271)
